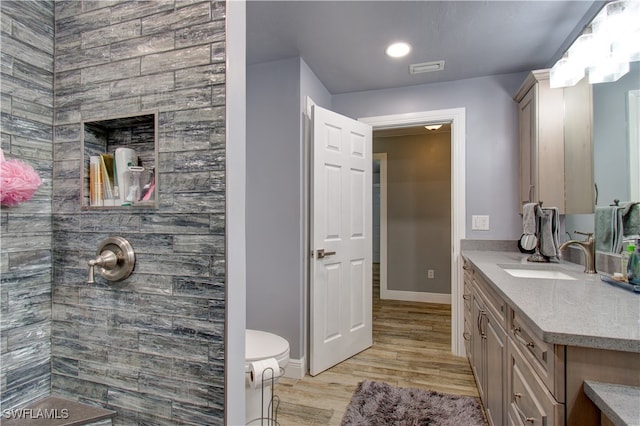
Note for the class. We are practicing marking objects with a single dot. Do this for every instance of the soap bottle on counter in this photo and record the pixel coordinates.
(624, 260)
(633, 267)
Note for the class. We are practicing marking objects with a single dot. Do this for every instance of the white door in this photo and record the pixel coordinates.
(341, 243)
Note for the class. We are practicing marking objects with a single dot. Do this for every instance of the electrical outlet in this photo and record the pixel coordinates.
(480, 222)
(430, 273)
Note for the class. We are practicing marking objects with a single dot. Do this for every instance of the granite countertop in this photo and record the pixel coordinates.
(583, 312)
(618, 402)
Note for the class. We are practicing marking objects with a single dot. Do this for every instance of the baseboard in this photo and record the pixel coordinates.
(416, 296)
(295, 369)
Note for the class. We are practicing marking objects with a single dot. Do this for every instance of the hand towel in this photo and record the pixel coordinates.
(628, 223)
(606, 226)
(549, 224)
(529, 226)
(528, 240)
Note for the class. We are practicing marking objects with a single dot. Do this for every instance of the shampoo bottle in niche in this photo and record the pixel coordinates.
(633, 267)
(124, 157)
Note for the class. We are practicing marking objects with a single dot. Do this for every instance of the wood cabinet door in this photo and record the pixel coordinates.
(527, 126)
(496, 353)
(477, 345)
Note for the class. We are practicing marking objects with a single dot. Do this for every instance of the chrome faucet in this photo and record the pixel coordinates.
(588, 246)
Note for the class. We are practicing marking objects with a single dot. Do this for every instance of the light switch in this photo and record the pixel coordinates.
(480, 222)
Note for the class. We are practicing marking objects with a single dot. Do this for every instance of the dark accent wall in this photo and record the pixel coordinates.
(150, 347)
(26, 84)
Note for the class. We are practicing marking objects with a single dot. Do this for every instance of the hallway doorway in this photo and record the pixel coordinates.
(457, 118)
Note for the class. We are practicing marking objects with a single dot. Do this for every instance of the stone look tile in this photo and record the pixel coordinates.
(151, 346)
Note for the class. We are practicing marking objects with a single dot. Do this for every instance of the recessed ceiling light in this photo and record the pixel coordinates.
(398, 50)
(433, 126)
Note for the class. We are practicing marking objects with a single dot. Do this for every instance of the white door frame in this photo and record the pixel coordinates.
(382, 157)
(458, 139)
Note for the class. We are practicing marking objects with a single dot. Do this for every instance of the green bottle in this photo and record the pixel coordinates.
(624, 260)
(633, 267)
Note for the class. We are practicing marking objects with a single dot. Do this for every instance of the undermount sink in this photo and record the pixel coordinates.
(522, 271)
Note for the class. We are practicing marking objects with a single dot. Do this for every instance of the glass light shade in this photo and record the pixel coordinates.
(612, 21)
(628, 48)
(587, 51)
(565, 73)
(608, 71)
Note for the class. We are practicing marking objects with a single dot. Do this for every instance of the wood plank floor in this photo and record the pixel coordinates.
(411, 348)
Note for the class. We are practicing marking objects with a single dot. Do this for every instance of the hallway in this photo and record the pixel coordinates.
(411, 349)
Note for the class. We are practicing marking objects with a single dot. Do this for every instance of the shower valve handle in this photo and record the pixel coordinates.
(107, 260)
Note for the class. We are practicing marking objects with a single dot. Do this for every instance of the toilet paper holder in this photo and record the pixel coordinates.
(115, 259)
(267, 378)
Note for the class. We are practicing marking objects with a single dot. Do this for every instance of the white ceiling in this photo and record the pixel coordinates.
(343, 42)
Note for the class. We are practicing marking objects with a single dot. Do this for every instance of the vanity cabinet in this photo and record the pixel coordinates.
(522, 377)
(556, 155)
(488, 348)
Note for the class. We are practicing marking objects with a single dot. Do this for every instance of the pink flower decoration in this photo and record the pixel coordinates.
(18, 181)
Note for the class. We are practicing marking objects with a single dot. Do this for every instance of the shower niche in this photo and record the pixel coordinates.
(120, 158)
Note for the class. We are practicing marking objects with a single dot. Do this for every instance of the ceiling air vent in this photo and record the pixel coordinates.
(426, 67)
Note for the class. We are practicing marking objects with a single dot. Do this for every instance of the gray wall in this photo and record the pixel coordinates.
(276, 93)
(274, 246)
(418, 211)
(491, 139)
(26, 255)
(151, 346)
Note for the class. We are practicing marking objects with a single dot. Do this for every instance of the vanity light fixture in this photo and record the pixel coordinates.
(605, 48)
(433, 126)
(398, 50)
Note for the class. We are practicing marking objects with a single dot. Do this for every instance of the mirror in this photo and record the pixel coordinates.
(616, 123)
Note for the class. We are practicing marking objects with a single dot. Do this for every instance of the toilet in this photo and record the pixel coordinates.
(261, 345)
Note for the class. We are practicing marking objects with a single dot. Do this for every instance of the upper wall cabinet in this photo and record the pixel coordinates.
(556, 148)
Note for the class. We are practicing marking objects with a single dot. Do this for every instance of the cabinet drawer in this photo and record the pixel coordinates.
(545, 358)
(494, 303)
(529, 401)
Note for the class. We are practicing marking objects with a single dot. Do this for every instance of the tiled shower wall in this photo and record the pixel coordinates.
(25, 241)
(151, 346)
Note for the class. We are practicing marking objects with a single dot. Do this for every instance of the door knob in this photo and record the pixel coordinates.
(320, 253)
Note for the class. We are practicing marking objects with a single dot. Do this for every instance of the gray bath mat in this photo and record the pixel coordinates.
(378, 403)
